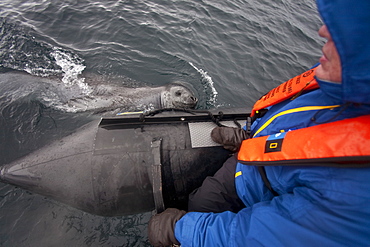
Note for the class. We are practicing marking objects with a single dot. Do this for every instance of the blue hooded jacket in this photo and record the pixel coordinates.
(349, 25)
(316, 206)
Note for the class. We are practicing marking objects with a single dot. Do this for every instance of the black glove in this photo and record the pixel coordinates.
(161, 228)
(231, 138)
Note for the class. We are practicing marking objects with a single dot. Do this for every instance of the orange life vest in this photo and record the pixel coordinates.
(332, 144)
(287, 90)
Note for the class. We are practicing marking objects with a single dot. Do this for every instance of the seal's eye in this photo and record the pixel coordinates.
(178, 93)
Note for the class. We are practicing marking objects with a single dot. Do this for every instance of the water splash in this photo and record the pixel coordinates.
(21, 51)
(208, 86)
(72, 68)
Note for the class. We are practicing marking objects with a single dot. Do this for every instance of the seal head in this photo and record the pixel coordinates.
(178, 95)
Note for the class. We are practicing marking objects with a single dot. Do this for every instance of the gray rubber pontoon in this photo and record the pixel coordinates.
(127, 164)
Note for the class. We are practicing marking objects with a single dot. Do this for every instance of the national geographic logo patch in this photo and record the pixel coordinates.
(274, 143)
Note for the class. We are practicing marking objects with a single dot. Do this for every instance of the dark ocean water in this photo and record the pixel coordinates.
(231, 52)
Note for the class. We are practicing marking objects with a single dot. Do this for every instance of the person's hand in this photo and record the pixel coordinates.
(161, 227)
(231, 138)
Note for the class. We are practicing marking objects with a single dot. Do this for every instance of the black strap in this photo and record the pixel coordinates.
(157, 175)
(214, 119)
(262, 171)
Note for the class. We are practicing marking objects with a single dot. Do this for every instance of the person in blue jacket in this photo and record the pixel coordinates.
(298, 205)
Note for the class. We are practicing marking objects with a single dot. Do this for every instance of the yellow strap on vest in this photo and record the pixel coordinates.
(294, 110)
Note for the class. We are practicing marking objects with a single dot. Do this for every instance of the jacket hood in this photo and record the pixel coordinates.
(348, 23)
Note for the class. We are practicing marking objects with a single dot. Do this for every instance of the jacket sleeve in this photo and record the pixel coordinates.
(287, 220)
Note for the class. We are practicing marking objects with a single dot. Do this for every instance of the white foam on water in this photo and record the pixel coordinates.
(207, 83)
(39, 71)
(71, 70)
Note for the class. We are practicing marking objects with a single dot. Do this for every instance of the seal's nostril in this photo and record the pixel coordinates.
(193, 98)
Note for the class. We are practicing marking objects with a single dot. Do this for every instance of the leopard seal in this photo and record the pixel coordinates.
(95, 94)
(114, 98)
